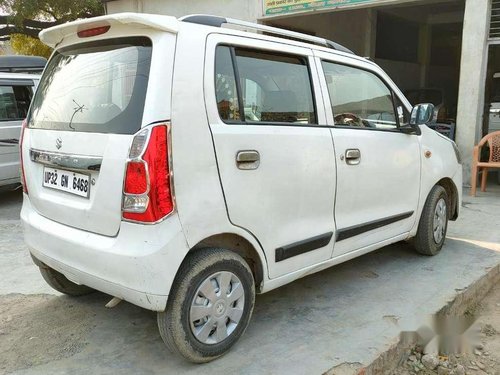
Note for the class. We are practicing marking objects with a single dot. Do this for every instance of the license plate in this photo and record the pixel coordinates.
(70, 182)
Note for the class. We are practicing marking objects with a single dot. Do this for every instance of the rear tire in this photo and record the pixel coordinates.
(60, 283)
(209, 306)
(433, 224)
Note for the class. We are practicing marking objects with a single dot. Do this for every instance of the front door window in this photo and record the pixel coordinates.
(359, 98)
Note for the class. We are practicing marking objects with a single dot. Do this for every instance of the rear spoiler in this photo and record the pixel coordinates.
(54, 35)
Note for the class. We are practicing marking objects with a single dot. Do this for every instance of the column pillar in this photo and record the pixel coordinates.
(472, 80)
(371, 33)
(424, 53)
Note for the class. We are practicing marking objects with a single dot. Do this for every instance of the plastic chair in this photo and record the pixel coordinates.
(493, 140)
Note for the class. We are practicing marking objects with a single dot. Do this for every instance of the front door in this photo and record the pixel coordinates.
(378, 166)
(276, 164)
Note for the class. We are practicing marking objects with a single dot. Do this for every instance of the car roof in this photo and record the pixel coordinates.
(216, 21)
(294, 38)
(21, 61)
(203, 23)
(6, 75)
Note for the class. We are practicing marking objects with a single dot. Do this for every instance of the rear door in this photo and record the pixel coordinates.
(88, 105)
(378, 166)
(276, 162)
(15, 99)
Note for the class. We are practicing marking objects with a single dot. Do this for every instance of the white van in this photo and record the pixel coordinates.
(184, 166)
(16, 92)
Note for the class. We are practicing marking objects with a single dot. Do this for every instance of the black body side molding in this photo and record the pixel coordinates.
(303, 246)
(356, 230)
(9, 142)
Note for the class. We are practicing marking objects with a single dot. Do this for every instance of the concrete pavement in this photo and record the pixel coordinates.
(19, 275)
(348, 314)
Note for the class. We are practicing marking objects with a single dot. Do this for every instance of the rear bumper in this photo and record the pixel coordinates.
(138, 265)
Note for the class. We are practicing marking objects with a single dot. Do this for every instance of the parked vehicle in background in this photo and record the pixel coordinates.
(22, 64)
(443, 118)
(184, 167)
(16, 92)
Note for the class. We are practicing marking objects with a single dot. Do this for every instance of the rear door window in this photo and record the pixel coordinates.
(225, 85)
(270, 87)
(15, 100)
(95, 87)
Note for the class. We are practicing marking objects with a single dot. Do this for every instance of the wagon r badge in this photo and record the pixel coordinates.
(58, 143)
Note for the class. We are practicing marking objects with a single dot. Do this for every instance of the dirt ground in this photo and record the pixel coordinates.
(37, 329)
(347, 313)
(484, 356)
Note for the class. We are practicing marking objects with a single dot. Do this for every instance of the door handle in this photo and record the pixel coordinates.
(247, 159)
(352, 156)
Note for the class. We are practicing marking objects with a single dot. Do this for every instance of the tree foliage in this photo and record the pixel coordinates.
(27, 45)
(29, 17)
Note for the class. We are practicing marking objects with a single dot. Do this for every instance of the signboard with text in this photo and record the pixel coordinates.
(277, 7)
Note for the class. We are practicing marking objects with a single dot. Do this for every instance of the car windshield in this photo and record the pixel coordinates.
(94, 87)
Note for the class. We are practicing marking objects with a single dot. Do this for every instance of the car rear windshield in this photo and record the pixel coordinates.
(97, 87)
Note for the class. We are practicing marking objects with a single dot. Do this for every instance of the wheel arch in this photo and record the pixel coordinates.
(452, 192)
(239, 245)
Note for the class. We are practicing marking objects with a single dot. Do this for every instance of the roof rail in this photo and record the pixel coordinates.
(216, 21)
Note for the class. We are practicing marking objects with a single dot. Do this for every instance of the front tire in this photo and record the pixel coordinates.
(209, 306)
(433, 224)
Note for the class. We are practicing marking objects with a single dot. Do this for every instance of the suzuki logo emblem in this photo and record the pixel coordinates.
(58, 143)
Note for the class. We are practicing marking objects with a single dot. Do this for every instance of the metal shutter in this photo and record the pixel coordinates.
(495, 19)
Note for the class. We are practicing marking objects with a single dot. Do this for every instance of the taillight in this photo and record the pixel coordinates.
(147, 194)
(23, 175)
(93, 31)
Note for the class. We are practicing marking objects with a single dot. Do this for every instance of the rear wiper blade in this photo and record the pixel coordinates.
(78, 108)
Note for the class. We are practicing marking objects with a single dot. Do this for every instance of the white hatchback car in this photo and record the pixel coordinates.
(16, 92)
(184, 167)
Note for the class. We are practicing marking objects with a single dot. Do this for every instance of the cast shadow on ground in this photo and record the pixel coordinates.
(323, 318)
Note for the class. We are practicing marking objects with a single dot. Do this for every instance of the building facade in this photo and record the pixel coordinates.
(444, 51)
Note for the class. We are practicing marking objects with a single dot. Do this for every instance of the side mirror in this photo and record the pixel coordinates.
(421, 114)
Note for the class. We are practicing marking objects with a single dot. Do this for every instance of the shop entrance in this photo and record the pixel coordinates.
(491, 116)
(419, 46)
